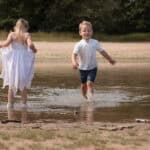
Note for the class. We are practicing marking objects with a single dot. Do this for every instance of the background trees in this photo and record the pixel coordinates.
(108, 16)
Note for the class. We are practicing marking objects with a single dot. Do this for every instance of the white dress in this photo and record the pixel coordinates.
(17, 66)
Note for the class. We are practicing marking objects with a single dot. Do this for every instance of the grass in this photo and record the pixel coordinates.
(4, 136)
(70, 138)
(36, 135)
(54, 36)
(130, 37)
(68, 36)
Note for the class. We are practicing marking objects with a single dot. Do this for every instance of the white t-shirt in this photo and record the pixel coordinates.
(86, 51)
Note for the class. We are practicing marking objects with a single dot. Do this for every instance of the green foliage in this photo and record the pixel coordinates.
(132, 16)
(109, 16)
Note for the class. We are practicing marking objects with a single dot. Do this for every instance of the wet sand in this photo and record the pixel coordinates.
(53, 62)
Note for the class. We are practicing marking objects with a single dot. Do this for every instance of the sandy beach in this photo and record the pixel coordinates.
(54, 58)
(76, 136)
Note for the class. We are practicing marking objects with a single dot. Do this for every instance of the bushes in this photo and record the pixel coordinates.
(107, 16)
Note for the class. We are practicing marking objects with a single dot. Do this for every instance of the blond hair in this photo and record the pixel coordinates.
(85, 23)
(20, 28)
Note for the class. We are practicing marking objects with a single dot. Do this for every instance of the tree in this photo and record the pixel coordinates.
(109, 16)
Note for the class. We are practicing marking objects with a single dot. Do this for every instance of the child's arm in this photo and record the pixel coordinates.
(106, 55)
(7, 41)
(74, 61)
(31, 44)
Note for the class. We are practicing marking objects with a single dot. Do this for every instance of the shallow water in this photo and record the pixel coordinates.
(120, 96)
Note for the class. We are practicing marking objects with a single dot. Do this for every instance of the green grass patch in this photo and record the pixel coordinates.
(131, 37)
(4, 136)
(36, 135)
(55, 36)
(68, 36)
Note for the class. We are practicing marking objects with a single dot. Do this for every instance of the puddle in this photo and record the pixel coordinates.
(112, 104)
(120, 96)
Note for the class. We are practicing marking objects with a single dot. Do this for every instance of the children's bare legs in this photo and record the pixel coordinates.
(87, 90)
(10, 98)
(90, 91)
(24, 97)
(84, 90)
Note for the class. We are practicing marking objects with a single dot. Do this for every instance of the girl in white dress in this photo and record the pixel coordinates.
(18, 53)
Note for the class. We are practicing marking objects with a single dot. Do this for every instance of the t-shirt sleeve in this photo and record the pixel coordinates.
(99, 47)
(76, 48)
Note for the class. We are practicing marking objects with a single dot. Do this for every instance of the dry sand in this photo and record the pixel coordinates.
(138, 51)
(53, 55)
(80, 136)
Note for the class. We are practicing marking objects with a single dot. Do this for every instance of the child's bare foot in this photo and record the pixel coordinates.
(24, 106)
(84, 97)
(10, 105)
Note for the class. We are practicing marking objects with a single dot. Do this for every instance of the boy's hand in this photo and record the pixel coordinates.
(75, 65)
(112, 61)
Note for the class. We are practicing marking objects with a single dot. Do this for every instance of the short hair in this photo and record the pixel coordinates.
(84, 22)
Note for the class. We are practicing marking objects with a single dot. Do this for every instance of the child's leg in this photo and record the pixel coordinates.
(84, 90)
(10, 98)
(90, 82)
(90, 89)
(83, 79)
(24, 96)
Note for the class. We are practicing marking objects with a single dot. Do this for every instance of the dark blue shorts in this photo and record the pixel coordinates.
(88, 75)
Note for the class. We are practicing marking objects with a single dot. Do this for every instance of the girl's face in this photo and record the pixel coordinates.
(86, 32)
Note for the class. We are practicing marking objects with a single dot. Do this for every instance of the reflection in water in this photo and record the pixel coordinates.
(110, 104)
(86, 112)
(13, 116)
(24, 118)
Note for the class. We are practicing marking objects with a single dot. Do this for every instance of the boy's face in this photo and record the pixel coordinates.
(85, 32)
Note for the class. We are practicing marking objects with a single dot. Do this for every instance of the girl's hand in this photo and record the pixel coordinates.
(2, 44)
(34, 50)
